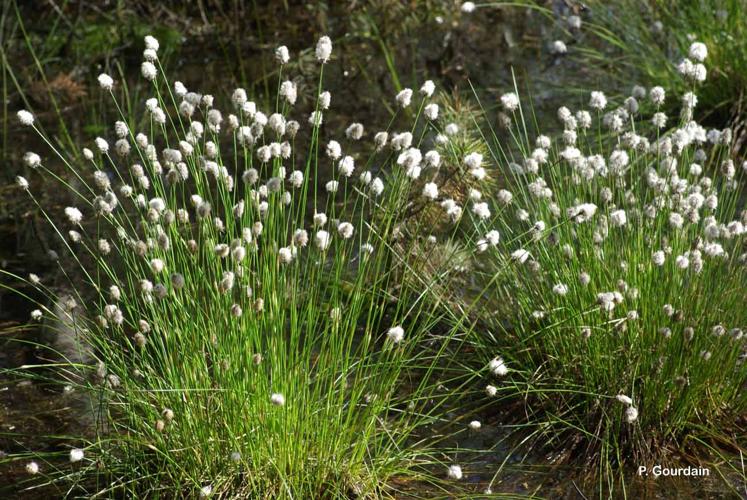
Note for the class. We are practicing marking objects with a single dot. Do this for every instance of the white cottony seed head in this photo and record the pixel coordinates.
(101, 145)
(598, 100)
(698, 51)
(76, 455)
(325, 98)
(431, 111)
(510, 101)
(404, 98)
(657, 95)
(428, 88)
(334, 150)
(468, 7)
(498, 367)
(285, 255)
(631, 414)
(73, 215)
(105, 81)
(148, 70)
(323, 49)
(32, 160)
(346, 230)
(151, 43)
(282, 55)
(395, 334)
(180, 89)
(430, 190)
(624, 399)
(659, 258)
(618, 218)
(354, 131)
(27, 119)
(558, 47)
(454, 472)
(157, 265)
(322, 239)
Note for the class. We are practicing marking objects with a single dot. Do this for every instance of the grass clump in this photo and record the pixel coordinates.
(644, 42)
(621, 268)
(254, 325)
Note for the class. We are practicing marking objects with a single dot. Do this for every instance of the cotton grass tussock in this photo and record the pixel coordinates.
(202, 266)
(623, 218)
